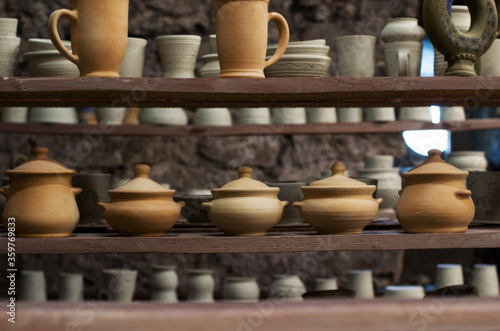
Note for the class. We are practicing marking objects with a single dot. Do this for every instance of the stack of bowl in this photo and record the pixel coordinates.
(301, 59)
(45, 61)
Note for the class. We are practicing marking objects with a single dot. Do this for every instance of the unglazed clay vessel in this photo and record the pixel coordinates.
(326, 284)
(70, 287)
(286, 287)
(32, 286)
(448, 275)
(14, 114)
(200, 286)
(50, 63)
(461, 49)
(242, 32)
(469, 160)
(178, 55)
(402, 29)
(485, 279)
(350, 115)
(322, 115)
(163, 116)
(257, 116)
(404, 292)
(99, 31)
(141, 207)
(41, 198)
(380, 114)
(241, 289)
(9, 55)
(356, 55)
(164, 282)
(361, 282)
(337, 204)
(435, 198)
(133, 63)
(245, 206)
(119, 284)
(8, 27)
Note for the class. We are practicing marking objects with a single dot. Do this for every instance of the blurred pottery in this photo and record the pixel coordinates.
(403, 58)
(361, 282)
(163, 116)
(14, 114)
(485, 188)
(53, 115)
(200, 286)
(32, 286)
(452, 114)
(9, 54)
(415, 114)
(119, 284)
(212, 117)
(404, 292)
(211, 66)
(402, 29)
(178, 55)
(37, 44)
(322, 115)
(356, 55)
(133, 63)
(8, 27)
(286, 287)
(132, 116)
(110, 116)
(469, 160)
(164, 283)
(448, 275)
(488, 62)
(254, 116)
(350, 115)
(70, 287)
(326, 284)
(295, 115)
(485, 279)
(380, 114)
(241, 289)
(50, 63)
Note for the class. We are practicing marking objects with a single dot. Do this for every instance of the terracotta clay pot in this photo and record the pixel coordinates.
(41, 198)
(99, 31)
(242, 32)
(141, 207)
(245, 206)
(435, 198)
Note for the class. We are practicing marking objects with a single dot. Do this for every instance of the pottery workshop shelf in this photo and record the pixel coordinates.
(213, 92)
(303, 240)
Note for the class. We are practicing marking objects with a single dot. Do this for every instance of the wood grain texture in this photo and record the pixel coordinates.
(214, 92)
(216, 242)
(380, 314)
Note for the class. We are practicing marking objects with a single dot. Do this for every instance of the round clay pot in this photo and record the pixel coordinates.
(164, 283)
(469, 160)
(241, 289)
(200, 286)
(286, 287)
(448, 275)
(178, 55)
(32, 286)
(362, 283)
(326, 284)
(485, 279)
(404, 292)
(70, 287)
(119, 284)
(94, 190)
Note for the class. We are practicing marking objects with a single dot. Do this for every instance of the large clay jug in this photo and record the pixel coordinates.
(242, 31)
(99, 31)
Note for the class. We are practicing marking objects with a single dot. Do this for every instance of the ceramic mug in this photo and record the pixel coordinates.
(8, 27)
(485, 279)
(178, 55)
(99, 31)
(70, 287)
(9, 53)
(356, 55)
(403, 58)
(361, 282)
(242, 32)
(133, 63)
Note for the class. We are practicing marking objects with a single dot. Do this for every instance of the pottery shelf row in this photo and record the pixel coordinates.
(244, 130)
(301, 240)
(214, 92)
(444, 313)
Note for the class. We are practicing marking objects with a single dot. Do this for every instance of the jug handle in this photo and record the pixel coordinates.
(404, 70)
(284, 37)
(71, 15)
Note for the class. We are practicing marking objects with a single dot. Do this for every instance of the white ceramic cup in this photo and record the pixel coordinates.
(110, 115)
(326, 284)
(119, 284)
(403, 58)
(362, 283)
(212, 117)
(32, 286)
(133, 63)
(15, 114)
(350, 115)
(356, 55)
(261, 116)
(8, 27)
(322, 115)
(448, 275)
(453, 114)
(415, 114)
(485, 279)
(70, 287)
(9, 54)
(380, 114)
(178, 54)
(163, 116)
(404, 292)
(287, 115)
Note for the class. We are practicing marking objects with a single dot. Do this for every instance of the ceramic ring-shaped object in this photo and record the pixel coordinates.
(461, 49)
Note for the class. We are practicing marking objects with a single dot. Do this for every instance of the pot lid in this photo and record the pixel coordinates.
(42, 163)
(435, 165)
(141, 182)
(338, 179)
(245, 181)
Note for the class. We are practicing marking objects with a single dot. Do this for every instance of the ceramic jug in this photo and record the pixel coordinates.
(99, 31)
(242, 32)
(461, 49)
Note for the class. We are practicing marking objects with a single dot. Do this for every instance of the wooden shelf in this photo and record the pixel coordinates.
(214, 92)
(210, 241)
(445, 313)
(245, 130)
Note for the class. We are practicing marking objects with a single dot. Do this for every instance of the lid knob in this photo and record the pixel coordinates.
(245, 172)
(142, 171)
(434, 153)
(338, 168)
(40, 153)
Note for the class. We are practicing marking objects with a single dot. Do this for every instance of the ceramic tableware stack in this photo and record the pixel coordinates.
(94, 190)
(287, 115)
(356, 55)
(211, 66)
(301, 59)
(337, 204)
(32, 286)
(448, 275)
(453, 114)
(70, 287)
(361, 282)
(322, 115)
(255, 116)
(485, 279)
(119, 284)
(286, 287)
(469, 160)
(245, 206)
(164, 283)
(380, 167)
(350, 115)
(402, 47)
(404, 292)
(241, 289)
(44, 60)
(380, 114)
(291, 192)
(14, 114)
(421, 114)
(200, 286)
(9, 46)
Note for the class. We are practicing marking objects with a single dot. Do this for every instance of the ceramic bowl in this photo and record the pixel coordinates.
(193, 211)
(309, 49)
(53, 115)
(50, 64)
(36, 44)
(298, 65)
(163, 116)
(316, 42)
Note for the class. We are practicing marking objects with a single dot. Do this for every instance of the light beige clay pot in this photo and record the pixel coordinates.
(245, 206)
(99, 32)
(337, 204)
(435, 198)
(41, 198)
(242, 32)
(141, 207)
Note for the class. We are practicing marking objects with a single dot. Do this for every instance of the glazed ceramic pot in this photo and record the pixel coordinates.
(50, 63)
(255, 116)
(242, 32)
(70, 287)
(361, 282)
(485, 279)
(299, 65)
(356, 55)
(8, 27)
(141, 207)
(193, 211)
(163, 116)
(469, 160)
(291, 192)
(289, 115)
(404, 292)
(37, 44)
(461, 49)
(452, 114)
(133, 63)
(337, 204)
(286, 287)
(110, 115)
(431, 182)
(322, 115)
(380, 114)
(32, 286)
(41, 198)
(99, 31)
(245, 206)
(119, 284)
(448, 275)
(94, 190)
(200, 286)
(487, 63)
(212, 117)
(403, 58)
(402, 29)
(350, 115)
(211, 66)
(14, 114)
(164, 282)
(9, 54)
(178, 55)
(53, 115)
(484, 186)
(326, 284)
(415, 114)
(241, 289)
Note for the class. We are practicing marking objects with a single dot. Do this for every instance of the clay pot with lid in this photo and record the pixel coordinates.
(337, 204)
(245, 206)
(141, 207)
(435, 198)
(41, 198)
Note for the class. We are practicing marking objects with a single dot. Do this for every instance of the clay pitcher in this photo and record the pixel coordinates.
(99, 31)
(242, 31)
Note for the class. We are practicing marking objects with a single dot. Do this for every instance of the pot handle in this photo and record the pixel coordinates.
(284, 203)
(76, 190)
(181, 204)
(463, 194)
(284, 38)
(299, 205)
(379, 201)
(5, 192)
(207, 205)
(104, 206)
(72, 16)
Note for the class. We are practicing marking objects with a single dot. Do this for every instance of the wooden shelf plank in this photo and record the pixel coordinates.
(214, 92)
(244, 130)
(282, 241)
(445, 313)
